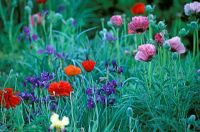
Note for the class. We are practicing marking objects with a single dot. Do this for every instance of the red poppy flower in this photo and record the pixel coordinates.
(72, 70)
(88, 65)
(60, 88)
(41, 1)
(138, 8)
(9, 99)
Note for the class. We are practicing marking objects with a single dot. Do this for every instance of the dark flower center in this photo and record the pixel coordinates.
(173, 50)
(140, 30)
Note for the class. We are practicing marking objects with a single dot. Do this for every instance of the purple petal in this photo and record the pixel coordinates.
(40, 51)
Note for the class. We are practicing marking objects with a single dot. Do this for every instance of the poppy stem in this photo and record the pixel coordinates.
(72, 112)
(10, 28)
(150, 74)
(8, 78)
(118, 46)
(125, 27)
(150, 32)
(107, 74)
(102, 23)
(194, 44)
(136, 41)
(87, 56)
(51, 36)
(197, 42)
(164, 56)
(130, 123)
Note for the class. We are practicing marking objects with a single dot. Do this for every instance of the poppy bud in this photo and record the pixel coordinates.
(129, 112)
(191, 119)
(109, 23)
(193, 25)
(30, 4)
(28, 9)
(183, 32)
(149, 8)
(58, 16)
(174, 56)
(161, 25)
(167, 46)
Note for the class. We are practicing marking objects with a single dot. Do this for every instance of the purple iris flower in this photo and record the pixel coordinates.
(27, 96)
(114, 68)
(42, 81)
(109, 88)
(50, 49)
(114, 63)
(45, 76)
(89, 91)
(101, 99)
(32, 80)
(60, 55)
(73, 22)
(119, 70)
(26, 30)
(105, 95)
(41, 51)
(90, 103)
(34, 37)
(110, 37)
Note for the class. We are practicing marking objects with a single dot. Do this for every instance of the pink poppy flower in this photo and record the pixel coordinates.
(145, 52)
(116, 20)
(158, 38)
(37, 16)
(138, 24)
(176, 45)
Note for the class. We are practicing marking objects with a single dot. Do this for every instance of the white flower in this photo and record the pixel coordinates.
(58, 124)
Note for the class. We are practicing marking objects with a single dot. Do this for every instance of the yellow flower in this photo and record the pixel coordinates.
(58, 124)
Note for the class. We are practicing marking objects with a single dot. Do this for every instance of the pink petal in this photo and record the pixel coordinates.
(181, 49)
(141, 56)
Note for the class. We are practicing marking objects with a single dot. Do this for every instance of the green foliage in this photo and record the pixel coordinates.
(160, 95)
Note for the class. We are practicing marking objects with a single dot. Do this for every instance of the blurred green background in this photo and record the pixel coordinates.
(87, 13)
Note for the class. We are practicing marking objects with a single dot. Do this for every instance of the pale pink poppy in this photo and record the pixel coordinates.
(116, 20)
(176, 45)
(138, 24)
(192, 8)
(145, 52)
(38, 17)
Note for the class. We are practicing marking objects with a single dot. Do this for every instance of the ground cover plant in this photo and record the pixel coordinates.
(95, 66)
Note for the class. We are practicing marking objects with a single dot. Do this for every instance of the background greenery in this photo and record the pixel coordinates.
(167, 106)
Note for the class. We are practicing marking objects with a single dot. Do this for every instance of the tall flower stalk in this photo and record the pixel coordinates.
(196, 42)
